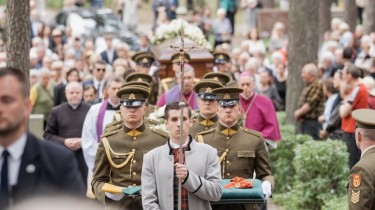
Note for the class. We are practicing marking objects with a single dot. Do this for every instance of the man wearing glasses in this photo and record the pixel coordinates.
(241, 151)
(98, 73)
(120, 153)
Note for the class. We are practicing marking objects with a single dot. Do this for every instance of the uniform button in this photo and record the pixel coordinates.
(228, 174)
(134, 173)
(226, 150)
(134, 161)
(134, 185)
(228, 138)
(205, 128)
(228, 161)
(134, 138)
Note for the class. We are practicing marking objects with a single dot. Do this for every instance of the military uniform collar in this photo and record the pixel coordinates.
(134, 132)
(367, 150)
(229, 131)
(207, 122)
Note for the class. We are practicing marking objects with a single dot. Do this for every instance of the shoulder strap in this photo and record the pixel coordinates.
(109, 150)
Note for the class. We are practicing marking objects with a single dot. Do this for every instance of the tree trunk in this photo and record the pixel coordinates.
(268, 3)
(324, 18)
(302, 48)
(370, 16)
(18, 41)
(350, 14)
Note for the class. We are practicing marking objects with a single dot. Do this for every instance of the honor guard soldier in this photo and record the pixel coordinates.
(207, 106)
(361, 190)
(144, 61)
(169, 82)
(120, 153)
(222, 64)
(241, 151)
(217, 76)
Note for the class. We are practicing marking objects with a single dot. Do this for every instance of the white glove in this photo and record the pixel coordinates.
(267, 189)
(115, 197)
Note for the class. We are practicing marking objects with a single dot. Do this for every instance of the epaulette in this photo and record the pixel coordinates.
(115, 127)
(117, 116)
(160, 132)
(206, 132)
(253, 132)
(113, 123)
(108, 134)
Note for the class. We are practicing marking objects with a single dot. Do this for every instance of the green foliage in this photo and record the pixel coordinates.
(336, 203)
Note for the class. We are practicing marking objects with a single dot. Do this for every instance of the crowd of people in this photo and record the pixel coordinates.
(96, 100)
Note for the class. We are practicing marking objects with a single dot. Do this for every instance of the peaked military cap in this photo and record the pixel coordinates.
(221, 77)
(138, 77)
(221, 57)
(365, 118)
(138, 83)
(143, 59)
(205, 88)
(133, 95)
(176, 58)
(227, 96)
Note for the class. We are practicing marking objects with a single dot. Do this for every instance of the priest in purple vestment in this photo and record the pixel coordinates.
(174, 94)
(258, 111)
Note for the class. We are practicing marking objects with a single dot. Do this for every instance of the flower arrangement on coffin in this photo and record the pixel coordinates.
(172, 30)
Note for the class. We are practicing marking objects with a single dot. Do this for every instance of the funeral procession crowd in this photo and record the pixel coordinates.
(123, 129)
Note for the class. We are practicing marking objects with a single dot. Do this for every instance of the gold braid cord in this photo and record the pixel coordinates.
(222, 161)
(108, 151)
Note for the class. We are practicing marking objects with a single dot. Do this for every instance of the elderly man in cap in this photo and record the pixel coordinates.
(174, 94)
(361, 189)
(241, 151)
(207, 105)
(120, 153)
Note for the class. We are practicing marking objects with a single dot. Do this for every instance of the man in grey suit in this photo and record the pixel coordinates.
(199, 170)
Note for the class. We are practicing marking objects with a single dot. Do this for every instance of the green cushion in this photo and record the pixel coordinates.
(136, 190)
(249, 193)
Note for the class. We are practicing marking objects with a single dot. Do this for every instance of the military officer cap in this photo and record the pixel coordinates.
(365, 118)
(176, 58)
(205, 87)
(227, 96)
(133, 95)
(143, 59)
(221, 77)
(221, 57)
(138, 77)
(138, 83)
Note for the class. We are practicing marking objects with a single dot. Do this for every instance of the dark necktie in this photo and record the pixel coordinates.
(4, 185)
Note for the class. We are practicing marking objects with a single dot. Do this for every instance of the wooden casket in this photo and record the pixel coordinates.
(200, 58)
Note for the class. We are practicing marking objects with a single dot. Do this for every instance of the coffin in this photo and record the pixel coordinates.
(200, 58)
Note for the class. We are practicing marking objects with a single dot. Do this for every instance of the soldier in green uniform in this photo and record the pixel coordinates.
(241, 151)
(361, 190)
(144, 61)
(169, 82)
(217, 76)
(120, 153)
(207, 106)
(222, 65)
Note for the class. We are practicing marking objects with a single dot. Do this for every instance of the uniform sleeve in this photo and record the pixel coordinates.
(361, 192)
(102, 170)
(52, 129)
(89, 138)
(209, 186)
(149, 188)
(262, 167)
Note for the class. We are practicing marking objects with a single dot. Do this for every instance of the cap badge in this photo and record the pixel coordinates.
(209, 90)
(132, 96)
(144, 60)
(221, 56)
(216, 79)
(226, 96)
(139, 80)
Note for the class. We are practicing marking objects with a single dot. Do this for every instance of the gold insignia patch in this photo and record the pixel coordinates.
(356, 180)
(221, 56)
(226, 96)
(355, 196)
(144, 60)
(209, 90)
(216, 79)
(132, 96)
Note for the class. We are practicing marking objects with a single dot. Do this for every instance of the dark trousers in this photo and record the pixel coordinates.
(310, 127)
(351, 146)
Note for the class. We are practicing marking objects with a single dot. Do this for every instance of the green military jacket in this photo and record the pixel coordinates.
(119, 162)
(202, 124)
(361, 190)
(241, 152)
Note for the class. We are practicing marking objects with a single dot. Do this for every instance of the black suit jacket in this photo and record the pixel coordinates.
(59, 94)
(47, 169)
(105, 56)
